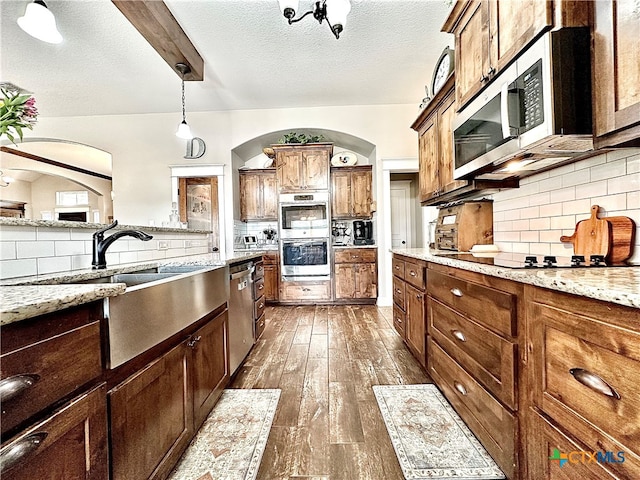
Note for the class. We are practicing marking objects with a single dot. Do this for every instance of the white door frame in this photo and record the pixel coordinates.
(409, 212)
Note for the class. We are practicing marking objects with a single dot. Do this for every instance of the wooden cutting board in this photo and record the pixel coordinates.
(623, 231)
(591, 237)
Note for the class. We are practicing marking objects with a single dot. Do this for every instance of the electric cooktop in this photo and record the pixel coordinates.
(521, 260)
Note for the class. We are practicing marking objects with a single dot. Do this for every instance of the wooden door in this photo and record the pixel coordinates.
(269, 196)
(142, 446)
(209, 366)
(416, 321)
(289, 170)
(340, 194)
(345, 280)
(366, 281)
(361, 185)
(446, 113)
(198, 199)
(428, 157)
(616, 72)
(249, 196)
(74, 447)
(472, 51)
(316, 169)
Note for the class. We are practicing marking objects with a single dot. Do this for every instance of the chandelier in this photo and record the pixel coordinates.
(333, 11)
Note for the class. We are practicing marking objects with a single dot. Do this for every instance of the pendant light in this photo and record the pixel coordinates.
(39, 22)
(183, 129)
(333, 11)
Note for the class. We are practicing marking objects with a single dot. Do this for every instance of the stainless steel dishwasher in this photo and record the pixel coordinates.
(240, 313)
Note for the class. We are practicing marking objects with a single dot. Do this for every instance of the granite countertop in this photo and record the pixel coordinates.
(25, 222)
(619, 285)
(353, 246)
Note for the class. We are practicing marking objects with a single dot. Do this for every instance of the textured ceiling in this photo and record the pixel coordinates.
(253, 59)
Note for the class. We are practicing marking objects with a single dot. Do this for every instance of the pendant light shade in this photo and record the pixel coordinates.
(39, 22)
(183, 129)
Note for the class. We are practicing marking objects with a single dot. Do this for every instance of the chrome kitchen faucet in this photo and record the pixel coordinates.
(100, 244)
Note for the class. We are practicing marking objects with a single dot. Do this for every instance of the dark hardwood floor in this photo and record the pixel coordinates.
(325, 360)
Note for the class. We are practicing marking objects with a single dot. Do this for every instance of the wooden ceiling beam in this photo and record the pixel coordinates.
(156, 23)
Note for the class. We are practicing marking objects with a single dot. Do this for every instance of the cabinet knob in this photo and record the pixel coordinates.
(594, 382)
(261, 286)
(398, 319)
(398, 291)
(192, 343)
(12, 386)
(456, 291)
(261, 305)
(413, 273)
(483, 79)
(491, 71)
(460, 388)
(418, 296)
(459, 335)
(13, 453)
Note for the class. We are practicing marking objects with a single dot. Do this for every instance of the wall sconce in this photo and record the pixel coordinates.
(333, 11)
(183, 129)
(39, 22)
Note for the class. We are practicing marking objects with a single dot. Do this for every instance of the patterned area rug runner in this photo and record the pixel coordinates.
(230, 443)
(430, 439)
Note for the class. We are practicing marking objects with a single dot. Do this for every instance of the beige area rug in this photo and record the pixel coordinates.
(430, 439)
(230, 443)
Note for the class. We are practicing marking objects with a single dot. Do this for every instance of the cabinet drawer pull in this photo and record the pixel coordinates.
(397, 267)
(459, 335)
(12, 386)
(412, 273)
(594, 382)
(456, 291)
(306, 289)
(398, 319)
(418, 296)
(261, 305)
(261, 286)
(15, 452)
(460, 388)
(192, 343)
(398, 291)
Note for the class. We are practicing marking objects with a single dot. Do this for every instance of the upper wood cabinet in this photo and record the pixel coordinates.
(258, 195)
(303, 167)
(435, 143)
(351, 195)
(489, 34)
(616, 73)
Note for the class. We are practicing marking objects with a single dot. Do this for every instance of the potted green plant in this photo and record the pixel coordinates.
(293, 137)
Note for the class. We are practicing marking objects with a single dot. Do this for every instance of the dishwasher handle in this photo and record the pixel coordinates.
(243, 273)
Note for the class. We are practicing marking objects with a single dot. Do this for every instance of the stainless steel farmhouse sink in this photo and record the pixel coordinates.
(157, 304)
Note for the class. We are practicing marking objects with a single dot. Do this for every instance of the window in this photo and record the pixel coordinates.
(72, 199)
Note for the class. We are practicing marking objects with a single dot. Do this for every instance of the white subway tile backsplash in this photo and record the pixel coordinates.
(616, 168)
(614, 155)
(81, 234)
(80, 262)
(8, 251)
(18, 268)
(512, 215)
(69, 247)
(17, 233)
(576, 206)
(530, 236)
(628, 183)
(540, 223)
(591, 162)
(540, 248)
(520, 247)
(507, 236)
(633, 199)
(540, 199)
(577, 177)
(561, 249)
(562, 170)
(551, 183)
(519, 225)
(144, 256)
(551, 210)
(127, 257)
(44, 233)
(610, 202)
(35, 249)
(633, 164)
(593, 189)
(562, 223)
(53, 264)
(562, 195)
(550, 236)
(530, 212)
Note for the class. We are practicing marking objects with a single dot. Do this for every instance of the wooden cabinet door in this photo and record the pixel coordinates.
(428, 158)
(416, 322)
(249, 196)
(340, 194)
(269, 197)
(361, 185)
(69, 444)
(345, 280)
(209, 365)
(472, 51)
(289, 170)
(616, 72)
(151, 418)
(446, 113)
(316, 169)
(513, 25)
(366, 285)
(271, 283)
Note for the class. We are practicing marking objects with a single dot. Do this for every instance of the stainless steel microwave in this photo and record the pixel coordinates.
(534, 114)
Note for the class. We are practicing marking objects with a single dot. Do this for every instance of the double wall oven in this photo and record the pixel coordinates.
(304, 236)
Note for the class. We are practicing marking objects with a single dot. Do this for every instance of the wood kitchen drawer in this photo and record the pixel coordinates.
(259, 307)
(259, 270)
(258, 288)
(51, 357)
(495, 309)
(259, 326)
(587, 375)
(270, 258)
(399, 321)
(398, 267)
(488, 357)
(398, 293)
(492, 423)
(71, 443)
(415, 273)
(355, 255)
(305, 291)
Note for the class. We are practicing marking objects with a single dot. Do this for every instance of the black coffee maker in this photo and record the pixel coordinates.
(363, 232)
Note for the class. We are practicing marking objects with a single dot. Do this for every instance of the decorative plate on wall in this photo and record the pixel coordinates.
(344, 159)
